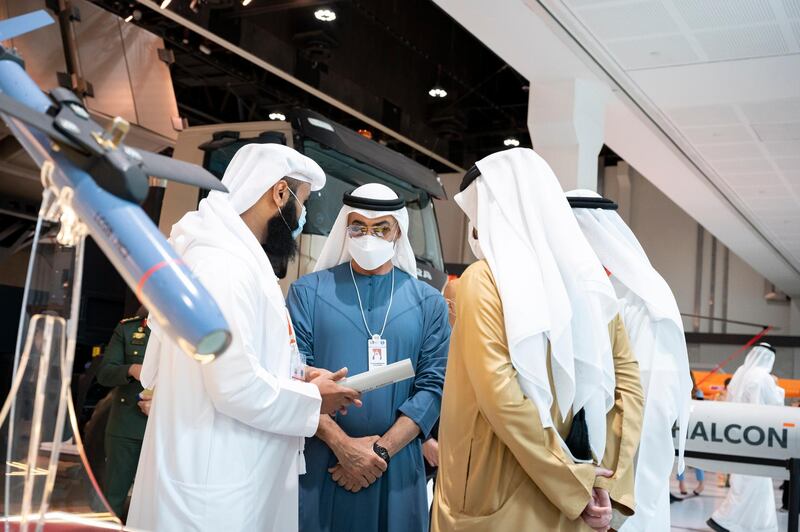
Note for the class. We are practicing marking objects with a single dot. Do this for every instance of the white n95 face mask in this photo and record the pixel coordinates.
(474, 245)
(370, 252)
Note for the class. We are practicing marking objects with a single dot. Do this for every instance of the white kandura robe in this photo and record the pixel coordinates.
(654, 343)
(750, 503)
(223, 445)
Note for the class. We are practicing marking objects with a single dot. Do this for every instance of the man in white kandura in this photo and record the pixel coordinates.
(223, 445)
(750, 503)
(650, 313)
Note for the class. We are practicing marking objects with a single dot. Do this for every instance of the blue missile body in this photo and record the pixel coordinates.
(180, 304)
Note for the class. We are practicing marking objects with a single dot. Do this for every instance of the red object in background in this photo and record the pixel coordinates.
(713, 384)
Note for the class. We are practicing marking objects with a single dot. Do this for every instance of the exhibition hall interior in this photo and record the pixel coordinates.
(400, 265)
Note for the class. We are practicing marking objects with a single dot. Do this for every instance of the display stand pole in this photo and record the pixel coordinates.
(36, 408)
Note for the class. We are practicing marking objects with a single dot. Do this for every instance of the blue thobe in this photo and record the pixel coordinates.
(331, 334)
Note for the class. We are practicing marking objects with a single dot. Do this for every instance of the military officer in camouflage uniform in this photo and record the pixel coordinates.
(121, 369)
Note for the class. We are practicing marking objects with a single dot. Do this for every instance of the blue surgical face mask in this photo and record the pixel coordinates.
(301, 221)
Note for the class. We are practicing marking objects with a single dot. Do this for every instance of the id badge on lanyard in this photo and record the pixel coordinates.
(376, 352)
(298, 363)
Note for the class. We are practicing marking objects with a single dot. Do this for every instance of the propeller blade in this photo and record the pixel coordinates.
(14, 27)
(174, 170)
(42, 122)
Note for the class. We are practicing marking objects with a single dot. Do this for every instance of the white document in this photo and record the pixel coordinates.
(380, 377)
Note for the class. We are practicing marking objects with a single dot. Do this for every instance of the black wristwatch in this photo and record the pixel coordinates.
(382, 452)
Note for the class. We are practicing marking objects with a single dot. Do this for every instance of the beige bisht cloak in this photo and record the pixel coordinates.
(500, 470)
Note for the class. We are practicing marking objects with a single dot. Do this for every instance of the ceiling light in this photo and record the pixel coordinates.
(277, 116)
(437, 92)
(205, 49)
(325, 15)
(128, 18)
(246, 2)
(511, 142)
(165, 3)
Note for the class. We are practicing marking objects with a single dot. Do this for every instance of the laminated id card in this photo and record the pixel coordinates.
(376, 352)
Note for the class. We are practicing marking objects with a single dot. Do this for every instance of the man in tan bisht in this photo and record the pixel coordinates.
(542, 407)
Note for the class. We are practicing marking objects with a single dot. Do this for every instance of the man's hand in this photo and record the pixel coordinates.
(312, 373)
(597, 513)
(348, 481)
(335, 398)
(135, 371)
(358, 459)
(430, 450)
(144, 406)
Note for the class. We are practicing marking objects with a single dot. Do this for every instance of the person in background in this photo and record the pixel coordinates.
(723, 394)
(121, 370)
(750, 503)
(699, 474)
(723, 479)
(364, 308)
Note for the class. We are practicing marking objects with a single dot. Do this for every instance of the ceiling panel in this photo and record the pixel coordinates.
(629, 20)
(704, 115)
(773, 111)
(737, 150)
(789, 164)
(635, 54)
(717, 134)
(740, 166)
(761, 191)
(741, 43)
(754, 179)
(777, 132)
(704, 14)
(792, 8)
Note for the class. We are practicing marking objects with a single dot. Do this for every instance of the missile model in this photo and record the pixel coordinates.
(100, 181)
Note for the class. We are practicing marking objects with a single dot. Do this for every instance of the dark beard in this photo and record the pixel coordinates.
(280, 247)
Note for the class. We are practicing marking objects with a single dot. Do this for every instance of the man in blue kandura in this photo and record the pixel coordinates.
(364, 308)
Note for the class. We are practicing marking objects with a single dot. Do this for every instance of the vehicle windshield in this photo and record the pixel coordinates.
(343, 175)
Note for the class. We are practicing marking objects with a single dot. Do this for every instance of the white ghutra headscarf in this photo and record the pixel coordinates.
(335, 250)
(552, 287)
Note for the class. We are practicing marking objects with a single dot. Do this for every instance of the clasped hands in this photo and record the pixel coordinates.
(597, 513)
(359, 466)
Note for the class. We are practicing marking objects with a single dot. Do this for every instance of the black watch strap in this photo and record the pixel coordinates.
(382, 452)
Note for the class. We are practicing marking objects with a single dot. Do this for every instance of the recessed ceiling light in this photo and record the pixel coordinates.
(128, 18)
(437, 92)
(246, 2)
(277, 116)
(165, 3)
(511, 142)
(325, 15)
(205, 49)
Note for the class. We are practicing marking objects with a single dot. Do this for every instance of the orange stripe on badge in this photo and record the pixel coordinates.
(789, 425)
(149, 273)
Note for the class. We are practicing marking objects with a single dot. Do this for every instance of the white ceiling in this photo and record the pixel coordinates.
(725, 76)
(706, 101)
